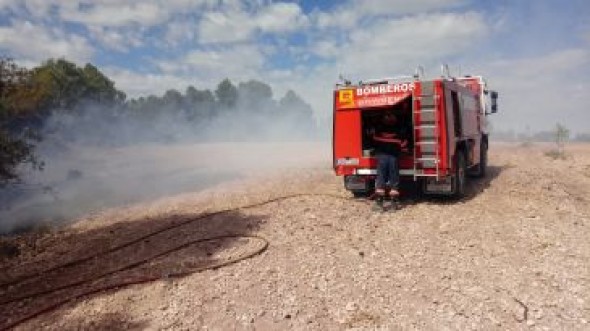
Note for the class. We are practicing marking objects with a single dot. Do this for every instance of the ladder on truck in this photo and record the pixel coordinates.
(426, 131)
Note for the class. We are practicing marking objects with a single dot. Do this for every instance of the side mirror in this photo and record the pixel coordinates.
(494, 97)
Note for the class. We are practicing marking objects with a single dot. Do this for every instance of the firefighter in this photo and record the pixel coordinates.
(390, 140)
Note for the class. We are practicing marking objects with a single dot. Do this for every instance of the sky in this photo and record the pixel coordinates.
(536, 54)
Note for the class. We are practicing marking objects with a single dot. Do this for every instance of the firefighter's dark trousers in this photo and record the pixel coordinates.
(387, 172)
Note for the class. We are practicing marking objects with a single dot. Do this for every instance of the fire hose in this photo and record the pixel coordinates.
(263, 245)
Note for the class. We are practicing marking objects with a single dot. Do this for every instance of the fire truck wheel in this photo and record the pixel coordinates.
(479, 171)
(460, 175)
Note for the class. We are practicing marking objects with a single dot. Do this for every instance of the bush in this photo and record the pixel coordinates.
(556, 154)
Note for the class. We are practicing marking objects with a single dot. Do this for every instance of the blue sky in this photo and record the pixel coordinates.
(535, 53)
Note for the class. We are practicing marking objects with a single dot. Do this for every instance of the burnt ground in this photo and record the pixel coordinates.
(514, 254)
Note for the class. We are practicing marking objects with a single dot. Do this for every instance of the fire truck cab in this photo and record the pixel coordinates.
(447, 120)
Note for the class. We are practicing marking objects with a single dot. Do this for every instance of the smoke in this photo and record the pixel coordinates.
(99, 158)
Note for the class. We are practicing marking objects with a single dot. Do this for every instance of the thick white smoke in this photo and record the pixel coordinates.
(100, 160)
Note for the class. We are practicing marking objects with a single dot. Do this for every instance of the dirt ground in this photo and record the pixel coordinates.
(514, 254)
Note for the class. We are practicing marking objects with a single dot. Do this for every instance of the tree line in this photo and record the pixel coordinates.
(64, 101)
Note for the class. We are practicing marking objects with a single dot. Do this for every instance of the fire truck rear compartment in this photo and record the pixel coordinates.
(371, 117)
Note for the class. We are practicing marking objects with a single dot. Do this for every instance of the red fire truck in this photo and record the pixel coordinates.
(447, 119)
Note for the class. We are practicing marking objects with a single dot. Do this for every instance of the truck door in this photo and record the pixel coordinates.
(347, 135)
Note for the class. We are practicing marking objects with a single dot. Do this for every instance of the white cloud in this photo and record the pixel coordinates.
(402, 7)
(122, 26)
(238, 61)
(390, 45)
(108, 13)
(280, 17)
(326, 48)
(32, 42)
(180, 32)
(37, 8)
(117, 14)
(345, 18)
(218, 27)
(240, 25)
(116, 39)
(351, 13)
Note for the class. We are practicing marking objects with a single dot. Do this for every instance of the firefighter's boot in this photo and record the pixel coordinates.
(378, 206)
(393, 200)
(394, 204)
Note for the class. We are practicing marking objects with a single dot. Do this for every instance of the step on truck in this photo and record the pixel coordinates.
(447, 120)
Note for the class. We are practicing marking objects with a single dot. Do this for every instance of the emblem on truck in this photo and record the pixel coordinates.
(346, 98)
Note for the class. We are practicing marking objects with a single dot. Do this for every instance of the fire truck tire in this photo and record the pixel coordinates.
(460, 175)
(479, 171)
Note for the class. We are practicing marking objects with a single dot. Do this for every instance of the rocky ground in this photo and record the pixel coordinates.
(512, 255)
